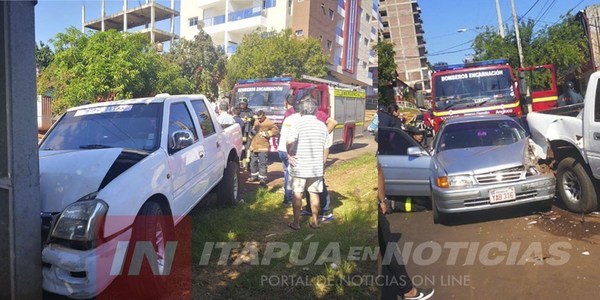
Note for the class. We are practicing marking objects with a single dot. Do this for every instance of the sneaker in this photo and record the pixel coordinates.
(422, 294)
(326, 217)
(305, 213)
(252, 179)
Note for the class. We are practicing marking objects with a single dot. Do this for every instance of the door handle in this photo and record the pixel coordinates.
(201, 153)
(596, 135)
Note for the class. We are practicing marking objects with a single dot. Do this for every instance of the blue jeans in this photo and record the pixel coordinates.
(286, 177)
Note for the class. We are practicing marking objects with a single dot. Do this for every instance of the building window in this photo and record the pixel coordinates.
(329, 44)
(323, 7)
(300, 32)
(193, 21)
(320, 38)
(331, 13)
(368, 18)
(366, 42)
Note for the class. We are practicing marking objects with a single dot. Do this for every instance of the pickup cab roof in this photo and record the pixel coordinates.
(160, 98)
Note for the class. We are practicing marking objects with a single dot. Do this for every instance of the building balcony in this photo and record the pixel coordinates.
(245, 20)
(339, 40)
(204, 4)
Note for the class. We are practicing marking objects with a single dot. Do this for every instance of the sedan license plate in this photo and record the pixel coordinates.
(501, 195)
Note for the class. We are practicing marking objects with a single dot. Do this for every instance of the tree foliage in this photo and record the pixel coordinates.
(43, 55)
(108, 65)
(562, 44)
(201, 63)
(269, 54)
(386, 68)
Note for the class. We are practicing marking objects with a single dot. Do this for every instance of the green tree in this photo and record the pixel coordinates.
(201, 63)
(562, 45)
(43, 55)
(269, 54)
(104, 66)
(386, 69)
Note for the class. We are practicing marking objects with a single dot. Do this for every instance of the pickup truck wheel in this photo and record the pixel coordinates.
(575, 186)
(350, 140)
(228, 188)
(154, 226)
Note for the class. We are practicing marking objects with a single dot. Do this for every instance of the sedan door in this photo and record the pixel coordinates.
(404, 174)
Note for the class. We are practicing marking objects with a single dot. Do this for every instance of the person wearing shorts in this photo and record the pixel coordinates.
(306, 155)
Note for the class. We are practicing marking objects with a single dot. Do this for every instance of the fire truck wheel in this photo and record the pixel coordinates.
(350, 140)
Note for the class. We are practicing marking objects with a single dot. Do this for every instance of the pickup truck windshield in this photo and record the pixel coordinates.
(131, 126)
(473, 89)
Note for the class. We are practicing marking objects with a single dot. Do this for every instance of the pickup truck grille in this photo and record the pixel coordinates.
(506, 175)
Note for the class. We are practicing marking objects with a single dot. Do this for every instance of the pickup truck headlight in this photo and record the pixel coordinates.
(460, 181)
(78, 221)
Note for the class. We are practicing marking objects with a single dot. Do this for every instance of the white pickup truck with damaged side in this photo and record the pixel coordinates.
(570, 138)
(127, 170)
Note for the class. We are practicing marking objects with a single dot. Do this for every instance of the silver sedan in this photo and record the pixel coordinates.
(476, 163)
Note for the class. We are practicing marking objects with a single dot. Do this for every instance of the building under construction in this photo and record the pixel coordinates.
(146, 16)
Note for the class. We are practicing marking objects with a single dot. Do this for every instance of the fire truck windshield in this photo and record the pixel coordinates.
(472, 89)
(268, 98)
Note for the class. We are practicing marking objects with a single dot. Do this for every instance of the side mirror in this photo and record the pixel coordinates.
(181, 139)
(416, 151)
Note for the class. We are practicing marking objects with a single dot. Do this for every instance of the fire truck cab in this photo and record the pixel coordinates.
(345, 104)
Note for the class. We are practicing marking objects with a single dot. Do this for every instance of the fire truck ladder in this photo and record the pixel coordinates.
(330, 82)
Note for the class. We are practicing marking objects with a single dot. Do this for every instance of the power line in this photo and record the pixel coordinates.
(456, 46)
(449, 52)
(534, 4)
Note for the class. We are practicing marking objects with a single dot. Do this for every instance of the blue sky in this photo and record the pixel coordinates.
(54, 16)
(442, 19)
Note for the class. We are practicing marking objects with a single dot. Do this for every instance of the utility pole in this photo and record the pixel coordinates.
(500, 25)
(517, 35)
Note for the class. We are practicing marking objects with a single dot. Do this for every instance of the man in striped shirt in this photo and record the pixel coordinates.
(306, 155)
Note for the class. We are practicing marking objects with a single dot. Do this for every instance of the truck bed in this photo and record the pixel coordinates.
(569, 110)
(562, 123)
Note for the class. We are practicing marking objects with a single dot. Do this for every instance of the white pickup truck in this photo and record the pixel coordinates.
(570, 136)
(127, 171)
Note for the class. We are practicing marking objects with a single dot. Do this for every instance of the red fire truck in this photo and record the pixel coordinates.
(489, 87)
(344, 103)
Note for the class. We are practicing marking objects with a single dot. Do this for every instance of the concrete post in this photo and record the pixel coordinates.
(20, 223)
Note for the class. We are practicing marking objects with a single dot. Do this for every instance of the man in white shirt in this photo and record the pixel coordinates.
(224, 117)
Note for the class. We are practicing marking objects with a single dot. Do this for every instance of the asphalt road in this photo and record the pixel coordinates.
(507, 254)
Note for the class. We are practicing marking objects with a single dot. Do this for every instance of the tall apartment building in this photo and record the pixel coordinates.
(343, 26)
(401, 22)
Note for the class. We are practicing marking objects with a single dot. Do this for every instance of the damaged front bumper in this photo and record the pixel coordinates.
(537, 188)
(80, 274)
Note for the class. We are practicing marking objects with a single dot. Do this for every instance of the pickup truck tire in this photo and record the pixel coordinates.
(228, 188)
(151, 224)
(575, 187)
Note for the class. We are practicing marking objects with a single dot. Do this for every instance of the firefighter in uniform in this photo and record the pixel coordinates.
(247, 116)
